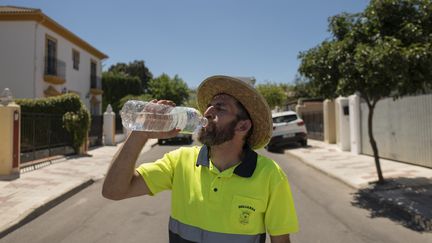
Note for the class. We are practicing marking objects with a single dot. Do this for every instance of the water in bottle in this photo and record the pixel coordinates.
(147, 116)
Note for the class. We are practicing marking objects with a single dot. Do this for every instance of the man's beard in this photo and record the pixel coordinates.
(216, 136)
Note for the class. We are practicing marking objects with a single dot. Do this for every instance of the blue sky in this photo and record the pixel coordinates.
(199, 38)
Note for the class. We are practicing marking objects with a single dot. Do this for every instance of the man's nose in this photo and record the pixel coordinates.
(209, 113)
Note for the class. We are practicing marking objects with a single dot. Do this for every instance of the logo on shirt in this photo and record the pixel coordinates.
(245, 213)
(244, 217)
(246, 207)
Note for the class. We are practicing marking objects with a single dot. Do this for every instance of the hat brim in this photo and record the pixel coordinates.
(248, 96)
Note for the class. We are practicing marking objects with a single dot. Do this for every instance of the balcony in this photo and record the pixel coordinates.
(95, 85)
(55, 71)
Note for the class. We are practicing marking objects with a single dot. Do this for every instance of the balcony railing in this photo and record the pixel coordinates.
(95, 82)
(55, 67)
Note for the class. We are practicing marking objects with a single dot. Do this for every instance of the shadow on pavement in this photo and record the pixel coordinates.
(407, 201)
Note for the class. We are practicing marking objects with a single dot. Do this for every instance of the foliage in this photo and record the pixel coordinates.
(76, 118)
(136, 68)
(384, 51)
(77, 124)
(52, 105)
(164, 87)
(116, 86)
(274, 94)
(302, 88)
(192, 100)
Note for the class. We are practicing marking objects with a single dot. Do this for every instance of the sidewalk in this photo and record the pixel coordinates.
(36, 191)
(405, 197)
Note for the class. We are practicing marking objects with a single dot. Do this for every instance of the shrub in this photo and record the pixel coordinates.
(77, 124)
(115, 86)
(76, 118)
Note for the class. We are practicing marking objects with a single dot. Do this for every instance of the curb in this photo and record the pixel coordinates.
(45, 207)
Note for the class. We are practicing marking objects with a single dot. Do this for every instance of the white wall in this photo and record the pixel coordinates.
(17, 41)
(402, 129)
(22, 61)
(76, 80)
(342, 105)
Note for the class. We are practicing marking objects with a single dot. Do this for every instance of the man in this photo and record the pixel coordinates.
(222, 191)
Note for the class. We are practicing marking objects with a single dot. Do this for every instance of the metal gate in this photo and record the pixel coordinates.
(43, 135)
(314, 124)
(96, 130)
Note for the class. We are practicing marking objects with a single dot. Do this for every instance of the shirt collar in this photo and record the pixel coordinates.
(245, 169)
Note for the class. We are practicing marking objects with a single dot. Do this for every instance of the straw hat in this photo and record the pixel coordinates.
(248, 96)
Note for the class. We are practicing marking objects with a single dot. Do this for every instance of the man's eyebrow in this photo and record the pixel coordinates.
(217, 103)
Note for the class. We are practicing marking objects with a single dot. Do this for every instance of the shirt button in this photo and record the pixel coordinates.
(215, 189)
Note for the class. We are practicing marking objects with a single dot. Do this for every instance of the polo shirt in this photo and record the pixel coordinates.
(239, 204)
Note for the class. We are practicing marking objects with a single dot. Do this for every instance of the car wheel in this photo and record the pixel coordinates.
(303, 143)
(271, 148)
(160, 141)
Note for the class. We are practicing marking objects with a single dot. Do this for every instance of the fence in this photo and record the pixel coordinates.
(43, 135)
(96, 130)
(402, 129)
(314, 124)
(118, 125)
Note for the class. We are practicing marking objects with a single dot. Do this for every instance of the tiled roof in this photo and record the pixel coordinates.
(14, 9)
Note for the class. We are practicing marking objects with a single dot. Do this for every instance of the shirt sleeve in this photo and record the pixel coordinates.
(281, 217)
(159, 174)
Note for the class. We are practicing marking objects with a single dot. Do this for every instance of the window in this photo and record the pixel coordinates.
(76, 59)
(93, 78)
(287, 118)
(51, 56)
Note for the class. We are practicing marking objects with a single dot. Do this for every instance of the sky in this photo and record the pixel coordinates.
(195, 39)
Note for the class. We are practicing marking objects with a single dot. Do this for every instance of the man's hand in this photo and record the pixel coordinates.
(121, 180)
(157, 115)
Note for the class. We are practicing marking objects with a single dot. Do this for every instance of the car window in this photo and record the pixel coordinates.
(287, 118)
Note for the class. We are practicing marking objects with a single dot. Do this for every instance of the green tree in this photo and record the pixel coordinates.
(274, 94)
(384, 51)
(116, 86)
(302, 88)
(136, 68)
(164, 87)
(192, 99)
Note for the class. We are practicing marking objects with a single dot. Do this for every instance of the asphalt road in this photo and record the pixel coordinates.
(324, 207)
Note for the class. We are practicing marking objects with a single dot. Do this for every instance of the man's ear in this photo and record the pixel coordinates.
(244, 126)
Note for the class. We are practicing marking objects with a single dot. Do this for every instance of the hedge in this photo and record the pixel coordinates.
(76, 117)
(116, 86)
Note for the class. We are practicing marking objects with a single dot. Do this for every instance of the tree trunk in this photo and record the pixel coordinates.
(373, 142)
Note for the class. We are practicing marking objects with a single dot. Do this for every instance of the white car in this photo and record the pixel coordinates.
(288, 128)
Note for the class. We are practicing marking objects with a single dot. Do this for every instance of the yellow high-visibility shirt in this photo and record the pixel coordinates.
(248, 199)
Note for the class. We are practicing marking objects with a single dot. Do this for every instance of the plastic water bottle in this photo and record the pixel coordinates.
(147, 116)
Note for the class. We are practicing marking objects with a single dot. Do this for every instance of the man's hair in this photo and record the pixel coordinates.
(242, 115)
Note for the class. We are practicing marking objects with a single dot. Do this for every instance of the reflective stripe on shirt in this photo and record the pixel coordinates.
(180, 232)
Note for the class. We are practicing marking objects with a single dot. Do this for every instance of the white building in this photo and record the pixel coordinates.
(41, 58)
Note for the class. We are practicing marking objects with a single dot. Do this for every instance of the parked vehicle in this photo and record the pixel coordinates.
(288, 128)
(180, 138)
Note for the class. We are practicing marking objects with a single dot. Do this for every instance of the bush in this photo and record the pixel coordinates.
(76, 117)
(52, 105)
(77, 124)
(116, 86)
